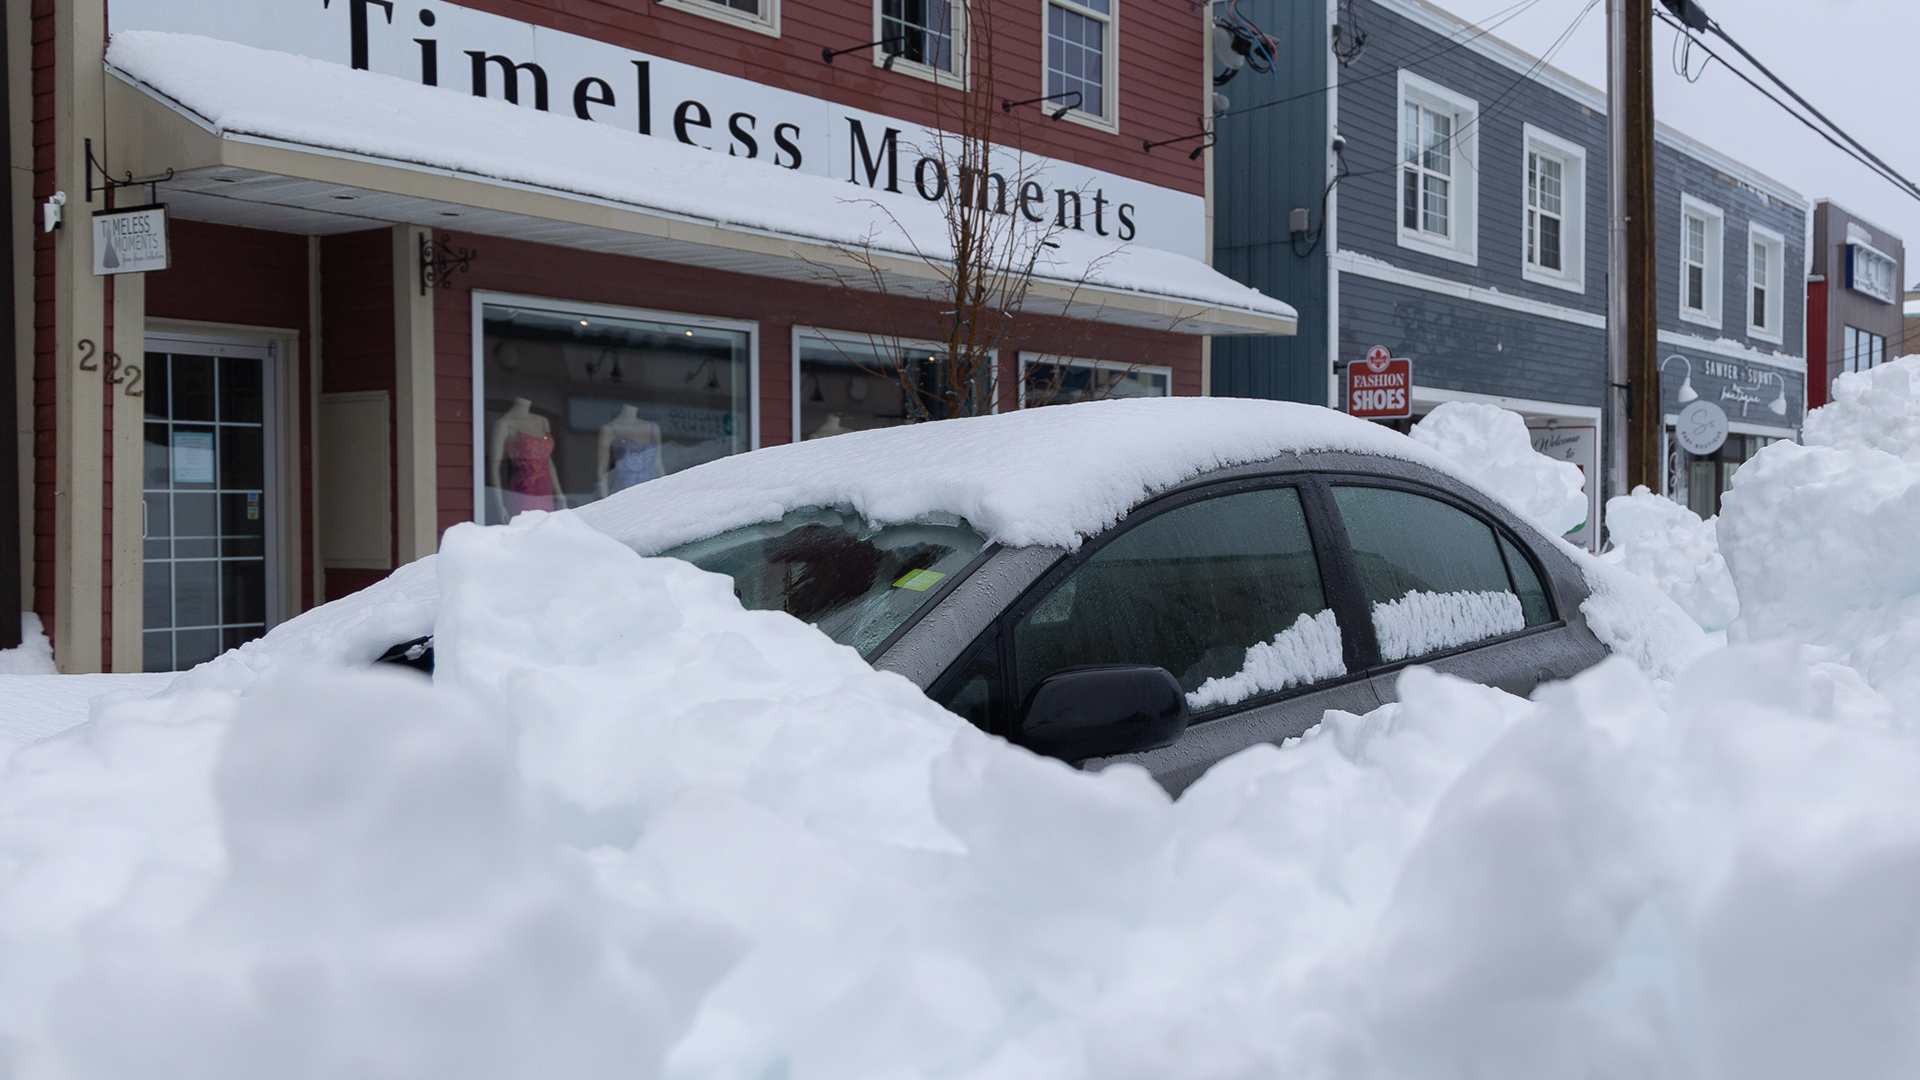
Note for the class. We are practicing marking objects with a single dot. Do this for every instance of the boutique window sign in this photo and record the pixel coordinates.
(573, 405)
(1751, 393)
(466, 51)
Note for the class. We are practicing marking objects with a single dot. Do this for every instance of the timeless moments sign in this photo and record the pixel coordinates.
(467, 51)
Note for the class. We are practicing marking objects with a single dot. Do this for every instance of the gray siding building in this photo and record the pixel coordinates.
(1455, 191)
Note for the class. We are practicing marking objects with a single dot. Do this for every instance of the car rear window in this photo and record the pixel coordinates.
(857, 583)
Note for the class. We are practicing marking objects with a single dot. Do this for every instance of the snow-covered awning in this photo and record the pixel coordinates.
(271, 140)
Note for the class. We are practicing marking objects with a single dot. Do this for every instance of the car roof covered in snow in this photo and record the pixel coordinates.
(1051, 476)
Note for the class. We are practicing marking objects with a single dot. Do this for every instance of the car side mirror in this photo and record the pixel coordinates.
(1089, 712)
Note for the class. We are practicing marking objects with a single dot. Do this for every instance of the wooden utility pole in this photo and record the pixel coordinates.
(1632, 419)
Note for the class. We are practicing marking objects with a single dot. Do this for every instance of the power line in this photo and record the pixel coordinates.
(1862, 155)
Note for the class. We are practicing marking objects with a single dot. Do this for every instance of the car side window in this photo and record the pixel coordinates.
(1223, 592)
(971, 690)
(1533, 597)
(1433, 574)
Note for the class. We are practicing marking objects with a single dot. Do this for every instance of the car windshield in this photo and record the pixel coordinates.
(856, 582)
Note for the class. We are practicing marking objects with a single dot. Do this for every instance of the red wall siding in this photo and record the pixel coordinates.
(557, 273)
(249, 277)
(1160, 72)
(44, 438)
(356, 317)
(1817, 376)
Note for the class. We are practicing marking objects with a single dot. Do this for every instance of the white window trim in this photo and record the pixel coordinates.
(1464, 204)
(767, 23)
(1110, 69)
(1714, 297)
(1573, 205)
(868, 341)
(958, 78)
(1027, 360)
(1775, 284)
(476, 322)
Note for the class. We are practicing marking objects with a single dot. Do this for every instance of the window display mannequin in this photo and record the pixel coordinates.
(835, 424)
(629, 451)
(520, 470)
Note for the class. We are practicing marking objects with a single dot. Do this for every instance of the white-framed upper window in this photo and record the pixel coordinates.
(1553, 217)
(573, 402)
(1061, 380)
(1438, 170)
(924, 38)
(760, 16)
(1700, 260)
(1766, 283)
(847, 381)
(1081, 58)
(1872, 273)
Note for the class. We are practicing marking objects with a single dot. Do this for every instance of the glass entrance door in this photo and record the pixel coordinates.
(209, 498)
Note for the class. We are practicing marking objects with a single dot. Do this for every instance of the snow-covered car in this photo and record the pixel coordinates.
(1166, 582)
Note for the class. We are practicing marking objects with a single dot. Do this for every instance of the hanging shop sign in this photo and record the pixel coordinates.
(1701, 428)
(1580, 445)
(131, 241)
(1380, 387)
(465, 51)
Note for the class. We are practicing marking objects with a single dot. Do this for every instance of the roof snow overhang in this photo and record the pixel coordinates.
(290, 173)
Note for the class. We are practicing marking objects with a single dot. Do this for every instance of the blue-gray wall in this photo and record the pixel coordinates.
(1271, 160)
(1266, 163)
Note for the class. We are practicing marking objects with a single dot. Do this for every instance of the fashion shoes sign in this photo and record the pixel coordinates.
(467, 51)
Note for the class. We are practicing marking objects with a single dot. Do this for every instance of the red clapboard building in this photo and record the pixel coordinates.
(299, 284)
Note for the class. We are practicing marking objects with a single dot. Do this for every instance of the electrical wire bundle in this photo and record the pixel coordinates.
(1242, 44)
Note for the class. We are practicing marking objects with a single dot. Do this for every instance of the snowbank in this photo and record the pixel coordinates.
(1491, 445)
(34, 654)
(633, 830)
(1819, 537)
(1670, 546)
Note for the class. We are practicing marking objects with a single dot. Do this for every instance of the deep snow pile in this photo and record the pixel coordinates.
(1492, 446)
(34, 654)
(1669, 545)
(1820, 537)
(633, 830)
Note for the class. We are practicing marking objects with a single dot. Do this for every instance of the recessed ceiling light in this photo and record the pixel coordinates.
(225, 180)
(344, 198)
(448, 213)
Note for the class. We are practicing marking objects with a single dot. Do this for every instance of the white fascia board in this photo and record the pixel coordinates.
(1352, 262)
(1434, 395)
(1734, 350)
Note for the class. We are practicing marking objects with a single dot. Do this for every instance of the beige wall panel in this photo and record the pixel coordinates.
(352, 465)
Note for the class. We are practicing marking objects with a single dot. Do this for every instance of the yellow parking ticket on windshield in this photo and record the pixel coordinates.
(919, 580)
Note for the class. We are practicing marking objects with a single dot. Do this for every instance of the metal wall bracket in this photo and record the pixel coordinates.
(439, 259)
(108, 183)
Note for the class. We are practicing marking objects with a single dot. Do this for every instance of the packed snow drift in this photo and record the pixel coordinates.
(629, 829)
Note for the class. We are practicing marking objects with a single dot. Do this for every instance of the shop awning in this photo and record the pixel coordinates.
(275, 141)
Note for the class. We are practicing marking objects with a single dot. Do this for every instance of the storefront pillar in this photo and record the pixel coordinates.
(78, 349)
(417, 524)
(126, 619)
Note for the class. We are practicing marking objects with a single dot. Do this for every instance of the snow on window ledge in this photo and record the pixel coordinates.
(1305, 652)
(1422, 622)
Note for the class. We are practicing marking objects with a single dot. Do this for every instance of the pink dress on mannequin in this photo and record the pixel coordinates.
(530, 483)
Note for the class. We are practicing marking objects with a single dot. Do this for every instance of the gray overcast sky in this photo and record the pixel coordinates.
(1858, 61)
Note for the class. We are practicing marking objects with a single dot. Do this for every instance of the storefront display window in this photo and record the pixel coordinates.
(848, 382)
(1700, 482)
(576, 404)
(1050, 380)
